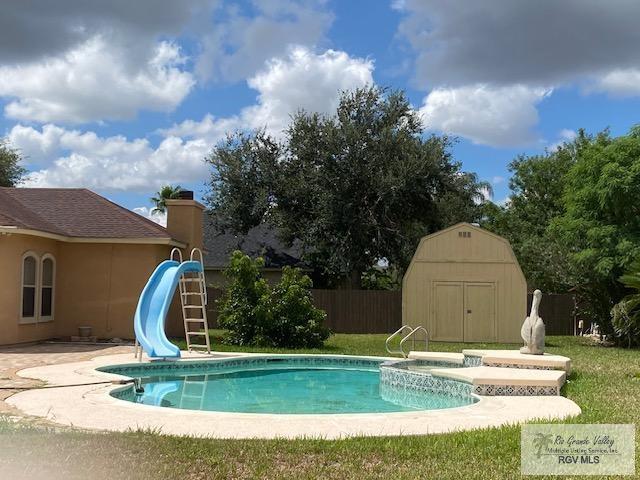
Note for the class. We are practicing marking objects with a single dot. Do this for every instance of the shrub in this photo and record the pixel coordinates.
(238, 308)
(625, 315)
(255, 314)
(290, 319)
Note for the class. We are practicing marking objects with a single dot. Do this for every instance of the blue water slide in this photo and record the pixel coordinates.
(155, 393)
(154, 304)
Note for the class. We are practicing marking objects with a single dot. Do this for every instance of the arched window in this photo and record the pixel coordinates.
(29, 287)
(47, 288)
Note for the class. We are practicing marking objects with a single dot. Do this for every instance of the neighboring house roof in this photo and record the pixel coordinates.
(261, 241)
(75, 213)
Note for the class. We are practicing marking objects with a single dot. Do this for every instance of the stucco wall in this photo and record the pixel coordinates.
(12, 248)
(96, 285)
(99, 286)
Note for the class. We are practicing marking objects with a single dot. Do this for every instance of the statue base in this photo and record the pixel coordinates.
(529, 351)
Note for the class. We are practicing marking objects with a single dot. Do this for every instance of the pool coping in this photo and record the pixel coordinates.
(92, 407)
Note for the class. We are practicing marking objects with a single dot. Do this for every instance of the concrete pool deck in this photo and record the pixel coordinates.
(91, 407)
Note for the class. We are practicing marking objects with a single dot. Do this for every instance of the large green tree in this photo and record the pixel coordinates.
(11, 172)
(362, 184)
(573, 221)
(600, 227)
(537, 186)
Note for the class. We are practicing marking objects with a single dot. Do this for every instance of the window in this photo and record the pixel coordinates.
(29, 287)
(38, 288)
(47, 286)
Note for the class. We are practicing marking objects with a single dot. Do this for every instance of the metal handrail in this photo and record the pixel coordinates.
(411, 335)
(203, 286)
(392, 336)
(196, 251)
(173, 251)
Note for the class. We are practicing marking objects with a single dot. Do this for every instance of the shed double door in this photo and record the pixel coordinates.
(464, 311)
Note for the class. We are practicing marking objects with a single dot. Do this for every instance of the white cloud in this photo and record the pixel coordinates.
(302, 80)
(486, 193)
(93, 61)
(71, 158)
(63, 157)
(565, 135)
(158, 217)
(496, 116)
(619, 82)
(210, 128)
(497, 180)
(237, 47)
(305, 81)
(94, 82)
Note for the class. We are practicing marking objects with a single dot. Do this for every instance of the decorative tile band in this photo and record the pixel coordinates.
(422, 399)
(406, 364)
(517, 365)
(471, 361)
(515, 390)
(205, 366)
(414, 382)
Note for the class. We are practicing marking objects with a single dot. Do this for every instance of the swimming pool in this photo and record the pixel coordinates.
(278, 385)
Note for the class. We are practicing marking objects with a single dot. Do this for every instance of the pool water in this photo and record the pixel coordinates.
(293, 388)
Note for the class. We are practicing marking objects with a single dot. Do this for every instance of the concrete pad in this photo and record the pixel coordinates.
(437, 356)
(91, 407)
(521, 360)
(503, 376)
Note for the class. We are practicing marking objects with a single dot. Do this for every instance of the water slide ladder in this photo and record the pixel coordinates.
(409, 333)
(193, 392)
(193, 299)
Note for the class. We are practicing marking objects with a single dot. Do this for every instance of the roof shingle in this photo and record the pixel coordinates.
(73, 212)
(261, 241)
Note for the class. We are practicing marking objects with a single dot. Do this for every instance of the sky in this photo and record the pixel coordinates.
(122, 97)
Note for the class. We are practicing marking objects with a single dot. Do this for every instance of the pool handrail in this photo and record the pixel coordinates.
(392, 336)
(411, 335)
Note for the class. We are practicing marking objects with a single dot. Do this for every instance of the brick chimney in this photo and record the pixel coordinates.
(184, 220)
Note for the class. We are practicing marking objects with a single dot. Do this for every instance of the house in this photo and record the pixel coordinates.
(261, 241)
(71, 258)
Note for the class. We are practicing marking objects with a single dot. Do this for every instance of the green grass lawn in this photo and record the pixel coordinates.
(605, 383)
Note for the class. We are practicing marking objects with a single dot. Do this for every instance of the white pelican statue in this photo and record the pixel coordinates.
(533, 329)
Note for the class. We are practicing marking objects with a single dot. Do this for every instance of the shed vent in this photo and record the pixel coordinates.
(464, 234)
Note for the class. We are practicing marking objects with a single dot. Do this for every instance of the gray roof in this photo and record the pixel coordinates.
(261, 241)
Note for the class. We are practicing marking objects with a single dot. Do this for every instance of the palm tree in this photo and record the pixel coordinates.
(626, 314)
(165, 193)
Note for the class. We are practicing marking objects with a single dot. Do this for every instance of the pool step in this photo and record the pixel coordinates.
(515, 359)
(506, 381)
(450, 357)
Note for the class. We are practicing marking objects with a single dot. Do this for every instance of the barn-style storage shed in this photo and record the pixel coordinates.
(464, 284)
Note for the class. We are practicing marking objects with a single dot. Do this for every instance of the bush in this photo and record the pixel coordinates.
(625, 315)
(289, 316)
(282, 316)
(238, 308)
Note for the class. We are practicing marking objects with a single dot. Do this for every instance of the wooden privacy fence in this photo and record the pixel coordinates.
(360, 311)
(557, 312)
(380, 311)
